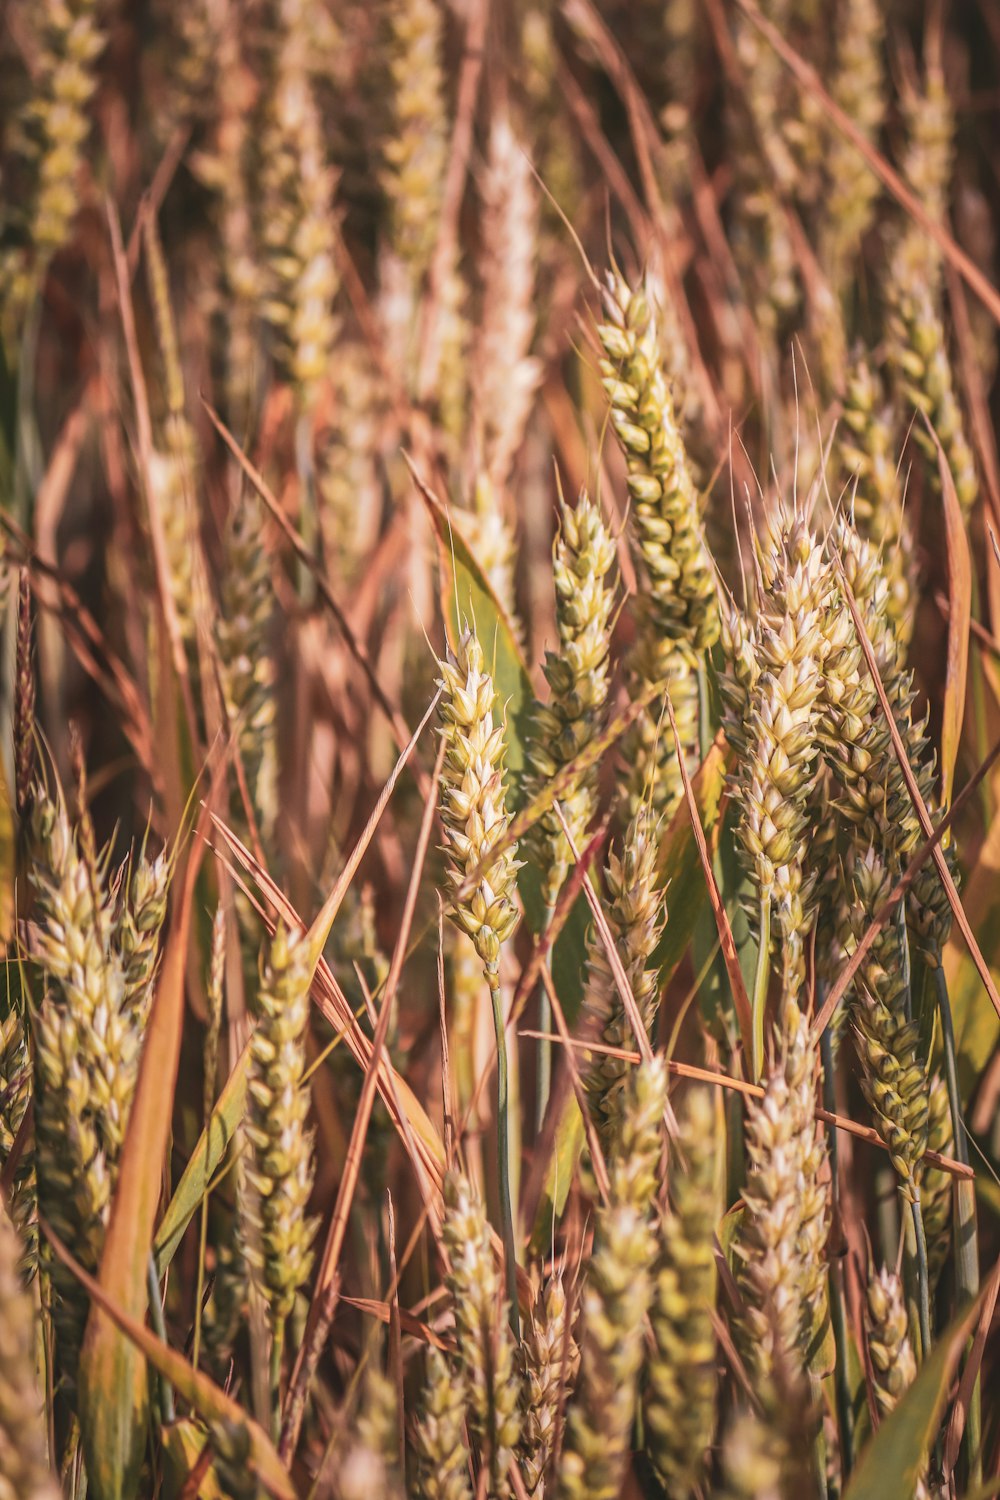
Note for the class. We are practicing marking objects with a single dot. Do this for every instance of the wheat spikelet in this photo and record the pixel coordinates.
(280, 1171)
(87, 1046)
(248, 671)
(778, 738)
(636, 914)
(24, 1472)
(473, 802)
(915, 335)
(679, 617)
(894, 1076)
(486, 1355)
(67, 39)
(679, 1401)
(615, 1299)
(858, 746)
(504, 375)
(442, 1458)
(577, 674)
(138, 928)
(893, 1364)
(415, 150)
(867, 456)
(767, 1453)
(936, 1187)
(858, 85)
(782, 1237)
(548, 1359)
(297, 224)
(369, 1464)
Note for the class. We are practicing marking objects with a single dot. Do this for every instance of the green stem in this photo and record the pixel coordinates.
(156, 1313)
(704, 711)
(966, 1232)
(503, 1154)
(923, 1277)
(760, 982)
(838, 1311)
(277, 1357)
(200, 1285)
(543, 1083)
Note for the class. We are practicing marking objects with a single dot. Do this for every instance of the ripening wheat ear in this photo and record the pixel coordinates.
(679, 1402)
(474, 814)
(442, 1457)
(582, 559)
(679, 616)
(504, 375)
(894, 1367)
(615, 1300)
(868, 459)
(859, 87)
(915, 334)
(88, 1040)
(415, 149)
(549, 1359)
(784, 1229)
(66, 40)
(486, 1351)
(894, 1075)
(297, 226)
(280, 1170)
(139, 924)
(777, 677)
(246, 620)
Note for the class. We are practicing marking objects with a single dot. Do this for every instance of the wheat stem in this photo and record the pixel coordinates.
(923, 1279)
(160, 1329)
(503, 1157)
(543, 1083)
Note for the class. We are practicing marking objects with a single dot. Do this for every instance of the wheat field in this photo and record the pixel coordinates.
(499, 723)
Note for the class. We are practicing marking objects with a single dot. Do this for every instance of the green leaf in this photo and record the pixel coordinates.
(205, 1159)
(466, 594)
(890, 1465)
(559, 1173)
(183, 1444)
(680, 863)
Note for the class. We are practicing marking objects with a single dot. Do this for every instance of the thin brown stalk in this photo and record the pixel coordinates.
(352, 1166)
(752, 1091)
